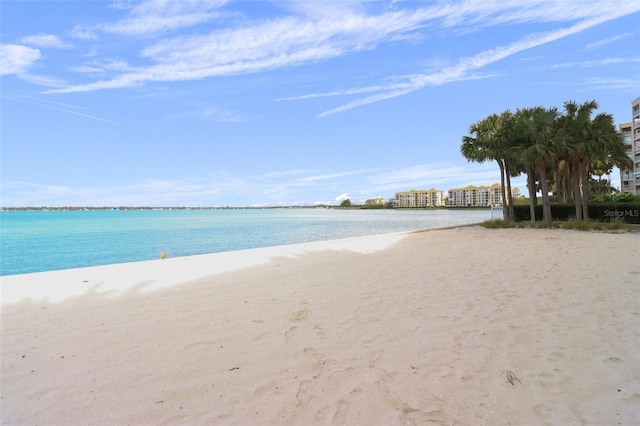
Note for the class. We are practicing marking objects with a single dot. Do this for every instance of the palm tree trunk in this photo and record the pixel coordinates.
(531, 185)
(569, 183)
(507, 172)
(562, 178)
(577, 197)
(544, 187)
(505, 213)
(585, 191)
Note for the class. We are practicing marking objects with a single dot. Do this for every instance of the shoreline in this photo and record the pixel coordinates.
(143, 236)
(161, 273)
(457, 326)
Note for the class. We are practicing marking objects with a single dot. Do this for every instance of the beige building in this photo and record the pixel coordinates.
(630, 179)
(419, 198)
(378, 201)
(475, 196)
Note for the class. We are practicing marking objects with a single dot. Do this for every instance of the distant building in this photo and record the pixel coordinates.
(627, 181)
(475, 196)
(630, 179)
(378, 201)
(516, 194)
(419, 198)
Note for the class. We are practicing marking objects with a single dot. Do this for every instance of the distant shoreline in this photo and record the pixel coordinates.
(363, 207)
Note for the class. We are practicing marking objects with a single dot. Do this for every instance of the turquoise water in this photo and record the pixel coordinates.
(36, 241)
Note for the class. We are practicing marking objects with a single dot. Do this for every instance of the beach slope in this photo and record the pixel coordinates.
(463, 326)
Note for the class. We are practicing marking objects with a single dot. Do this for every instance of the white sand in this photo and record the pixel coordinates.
(422, 328)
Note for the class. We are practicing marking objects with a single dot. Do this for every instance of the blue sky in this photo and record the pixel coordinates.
(250, 103)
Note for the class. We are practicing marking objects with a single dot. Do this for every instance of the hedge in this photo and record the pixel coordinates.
(601, 212)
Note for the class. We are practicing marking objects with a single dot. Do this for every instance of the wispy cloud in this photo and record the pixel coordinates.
(321, 31)
(460, 70)
(212, 113)
(333, 175)
(608, 83)
(102, 67)
(275, 188)
(597, 63)
(57, 106)
(603, 42)
(45, 41)
(160, 16)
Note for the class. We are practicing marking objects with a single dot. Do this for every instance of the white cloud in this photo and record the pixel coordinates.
(333, 175)
(164, 15)
(294, 187)
(102, 67)
(17, 59)
(603, 42)
(43, 80)
(212, 113)
(45, 41)
(58, 106)
(320, 31)
(83, 33)
(608, 83)
(598, 63)
(460, 70)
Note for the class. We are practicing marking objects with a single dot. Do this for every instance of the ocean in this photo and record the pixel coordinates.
(37, 241)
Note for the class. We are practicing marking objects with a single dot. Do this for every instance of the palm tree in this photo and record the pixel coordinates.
(506, 127)
(575, 123)
(522, 134)
(489, 144)
(589, 142)
(543, 151)
(538, 141)
(603, 144)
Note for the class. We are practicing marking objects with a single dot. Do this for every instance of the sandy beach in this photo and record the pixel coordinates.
(463, 326)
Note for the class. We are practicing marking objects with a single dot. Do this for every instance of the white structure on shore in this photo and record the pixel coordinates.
(475, 196)
(419, 198)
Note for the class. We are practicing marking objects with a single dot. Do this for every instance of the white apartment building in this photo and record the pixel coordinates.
(419, 198)
(475, 196)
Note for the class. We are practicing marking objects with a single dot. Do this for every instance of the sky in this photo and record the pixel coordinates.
(267, 103)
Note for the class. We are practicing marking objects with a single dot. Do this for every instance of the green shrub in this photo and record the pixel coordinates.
(583, 225)
(601, 212)
(615, 198)
(498, 223)
(618, 225)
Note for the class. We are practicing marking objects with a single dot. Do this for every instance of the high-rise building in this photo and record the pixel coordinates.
(630, 179)
(421, 198)
(475, 196)
(635, 116)
(627, 182)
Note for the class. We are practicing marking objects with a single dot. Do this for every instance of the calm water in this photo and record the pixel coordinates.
(36, 241)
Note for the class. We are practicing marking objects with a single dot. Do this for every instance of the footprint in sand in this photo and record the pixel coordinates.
(289, 333)
(300, 315)
(303, 396)
(319, 331)
(613, 361)
(340, 417)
